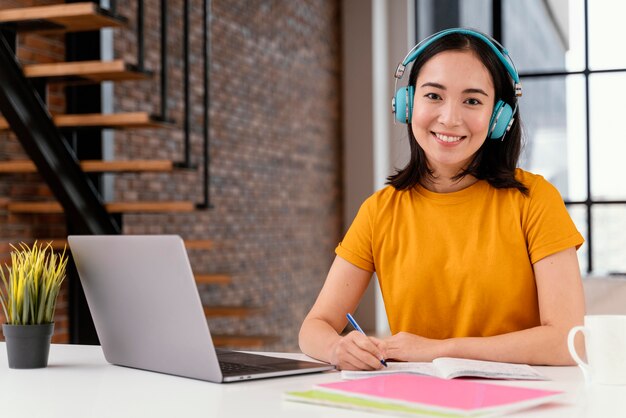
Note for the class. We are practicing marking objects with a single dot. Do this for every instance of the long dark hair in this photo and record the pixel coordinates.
(496, 160)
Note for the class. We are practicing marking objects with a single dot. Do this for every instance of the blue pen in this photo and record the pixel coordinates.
(358, 328)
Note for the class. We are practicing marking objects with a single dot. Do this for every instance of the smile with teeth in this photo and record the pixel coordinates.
(447, 138)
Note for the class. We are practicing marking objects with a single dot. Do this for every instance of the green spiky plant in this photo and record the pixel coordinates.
(32, 284)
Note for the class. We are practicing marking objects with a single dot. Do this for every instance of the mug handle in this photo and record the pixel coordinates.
(572, 350)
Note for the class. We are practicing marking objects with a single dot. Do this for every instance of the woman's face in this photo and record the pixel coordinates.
(454, 99)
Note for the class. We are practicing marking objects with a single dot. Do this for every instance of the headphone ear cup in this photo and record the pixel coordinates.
(500, 119)
(404, 104)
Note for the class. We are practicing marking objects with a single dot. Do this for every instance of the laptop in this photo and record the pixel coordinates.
(148, 315)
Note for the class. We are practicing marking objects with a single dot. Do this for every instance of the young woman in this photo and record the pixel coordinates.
(475, 258)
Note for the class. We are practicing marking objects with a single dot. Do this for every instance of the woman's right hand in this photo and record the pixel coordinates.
(356, 351)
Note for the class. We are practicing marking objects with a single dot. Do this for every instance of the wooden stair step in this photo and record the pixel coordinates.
(73, 17)
(221, 279)
(85, 71)
(112, 207)
(127, 166)
(125, 207)
(17, 166)
(198, 244)
(252, 341)
(96, 166)
(237, 311)
(129, 120)
(59, 244)
(214, 279)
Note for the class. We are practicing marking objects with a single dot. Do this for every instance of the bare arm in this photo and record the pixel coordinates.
(561, 306)
(319, 334)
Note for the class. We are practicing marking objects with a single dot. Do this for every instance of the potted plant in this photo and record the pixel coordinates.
(31, 287)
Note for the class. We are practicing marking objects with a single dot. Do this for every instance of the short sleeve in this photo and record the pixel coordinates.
(356, 247)
(549, 228)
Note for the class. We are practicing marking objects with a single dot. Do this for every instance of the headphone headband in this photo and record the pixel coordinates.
(499, 50)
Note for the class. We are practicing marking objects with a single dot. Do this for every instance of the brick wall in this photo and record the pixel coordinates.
(275, 152)
(17, 228)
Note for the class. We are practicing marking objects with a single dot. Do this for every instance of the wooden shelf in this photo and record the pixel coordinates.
(96, 166)
(113, 207)
(74, 17)
(249, 341)
(237, 311)
(85, 71)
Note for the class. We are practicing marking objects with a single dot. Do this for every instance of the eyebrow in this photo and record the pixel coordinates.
(442, 87)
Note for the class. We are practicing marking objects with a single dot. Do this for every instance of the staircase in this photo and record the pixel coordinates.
(86, 16)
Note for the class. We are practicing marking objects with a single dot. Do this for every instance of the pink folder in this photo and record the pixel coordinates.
(461, 396)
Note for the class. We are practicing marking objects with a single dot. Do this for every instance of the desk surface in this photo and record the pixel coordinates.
(78, 382)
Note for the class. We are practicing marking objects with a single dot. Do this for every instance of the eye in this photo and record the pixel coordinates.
(473, 102)
(432, 96)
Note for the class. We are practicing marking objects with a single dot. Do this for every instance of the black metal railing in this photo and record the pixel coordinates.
(187, 98)
(164, 61)
(140, 37)
(186, 161)
(206, 52)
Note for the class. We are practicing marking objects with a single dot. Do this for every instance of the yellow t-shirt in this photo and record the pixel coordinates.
(460, 264)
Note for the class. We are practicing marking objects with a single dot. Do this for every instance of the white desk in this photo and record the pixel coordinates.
(78, 382)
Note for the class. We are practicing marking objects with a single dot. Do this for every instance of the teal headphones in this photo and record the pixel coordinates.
(503, 115)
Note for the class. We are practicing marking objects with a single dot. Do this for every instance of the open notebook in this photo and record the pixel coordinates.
(449, 368)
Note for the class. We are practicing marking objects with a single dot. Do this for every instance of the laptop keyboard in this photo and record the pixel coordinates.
(235, 368)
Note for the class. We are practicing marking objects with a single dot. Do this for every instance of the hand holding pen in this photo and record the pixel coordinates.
(358, 328)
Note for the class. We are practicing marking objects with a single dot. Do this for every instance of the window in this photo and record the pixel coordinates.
(574, 79)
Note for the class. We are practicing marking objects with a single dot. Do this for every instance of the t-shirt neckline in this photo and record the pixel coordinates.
(453, 197)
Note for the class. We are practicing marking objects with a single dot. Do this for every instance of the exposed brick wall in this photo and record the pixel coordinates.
(275, 152)
(16, 228)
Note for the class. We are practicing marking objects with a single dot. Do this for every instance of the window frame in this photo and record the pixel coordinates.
(497, 16)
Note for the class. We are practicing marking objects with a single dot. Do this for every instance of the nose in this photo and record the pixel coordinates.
(449, 114)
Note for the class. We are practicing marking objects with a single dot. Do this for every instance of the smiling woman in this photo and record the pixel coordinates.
(485, 78)
(475, 257)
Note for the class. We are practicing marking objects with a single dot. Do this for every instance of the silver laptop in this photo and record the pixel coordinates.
(147, 311)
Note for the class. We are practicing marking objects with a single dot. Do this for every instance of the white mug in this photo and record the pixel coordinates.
(605, 344)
